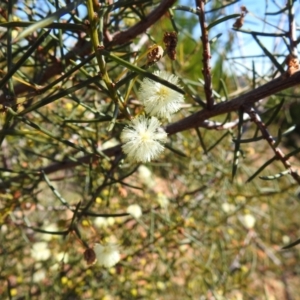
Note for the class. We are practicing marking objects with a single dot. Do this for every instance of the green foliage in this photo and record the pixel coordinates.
(69, 77)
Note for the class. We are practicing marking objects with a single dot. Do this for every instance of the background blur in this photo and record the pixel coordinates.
(202, 235)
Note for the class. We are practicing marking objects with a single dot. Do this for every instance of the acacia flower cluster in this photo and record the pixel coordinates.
(143, 138)
(40, 251)
(158, 99)
(135, 210)
(107, 255)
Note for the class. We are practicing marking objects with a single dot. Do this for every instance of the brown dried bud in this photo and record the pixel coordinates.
(155, 53)
(170, 41)
(89, 256)
(292, 63)
(244, 9)
(239, 22)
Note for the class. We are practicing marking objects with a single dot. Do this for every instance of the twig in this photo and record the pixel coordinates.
(83, 47)
(268, 251)
(235, 265)
(252, 236)
(140, 27)
(286, 290)
(193, 121)
(206, 55)
(271, 88)
(222, 126)
(292, 29)
(267, 136)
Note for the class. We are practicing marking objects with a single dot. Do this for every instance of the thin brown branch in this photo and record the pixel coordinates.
(292, 29)
(235, 265)
(68, 164)
(268, 251)
(271, 141)
(142, 26)
(205, 55)
(208, 124)
(83, 48)
(195, 120)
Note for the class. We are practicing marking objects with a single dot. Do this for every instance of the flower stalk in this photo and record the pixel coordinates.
(95, 32)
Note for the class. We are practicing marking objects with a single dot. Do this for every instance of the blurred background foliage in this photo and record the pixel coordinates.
(202, 235)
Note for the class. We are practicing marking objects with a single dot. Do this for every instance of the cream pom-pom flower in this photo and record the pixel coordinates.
(107, 255)
(40, 251)
(143, 139)
(135, 210)
(248, 220)
(159, 100)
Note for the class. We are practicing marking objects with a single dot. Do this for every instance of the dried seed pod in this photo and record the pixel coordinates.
(155, 54)
(292, 63)
(170, 41)
(240, 21)
(89, 256)
(244, 9)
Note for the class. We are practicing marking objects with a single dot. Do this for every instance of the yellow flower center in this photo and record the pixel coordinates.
(145, 136)
(163, 92)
